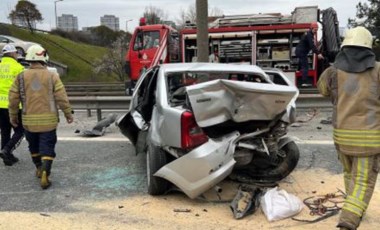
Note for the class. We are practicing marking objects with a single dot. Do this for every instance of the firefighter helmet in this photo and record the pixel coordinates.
(9, 48)
(358, 36)
(36, 53)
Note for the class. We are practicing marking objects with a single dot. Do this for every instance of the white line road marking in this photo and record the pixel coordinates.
(94, 139)
(315, 142)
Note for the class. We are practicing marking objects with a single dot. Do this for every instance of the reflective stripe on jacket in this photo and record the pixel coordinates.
(40, 92)
(9, 69)
(356, 109)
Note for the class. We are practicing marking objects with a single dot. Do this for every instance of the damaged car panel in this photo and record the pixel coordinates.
(217, 101)
(199, 121)
(213, 162)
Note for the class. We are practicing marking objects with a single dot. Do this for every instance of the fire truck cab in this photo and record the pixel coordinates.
(149, 46)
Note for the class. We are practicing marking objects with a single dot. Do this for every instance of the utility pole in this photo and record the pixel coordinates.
(55, 10)
(202, 30)
(126, 24)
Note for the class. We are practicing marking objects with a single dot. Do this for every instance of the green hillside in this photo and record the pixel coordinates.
(77, 56)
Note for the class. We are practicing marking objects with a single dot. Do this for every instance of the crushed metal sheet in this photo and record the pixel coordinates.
(100, 127)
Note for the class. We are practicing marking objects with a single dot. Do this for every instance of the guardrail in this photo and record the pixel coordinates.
(99, 103)
(118, 89)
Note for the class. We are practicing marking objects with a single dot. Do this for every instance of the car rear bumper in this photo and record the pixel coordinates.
(203, 167)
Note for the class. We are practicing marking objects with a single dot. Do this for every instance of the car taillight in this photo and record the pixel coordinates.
(191, 134)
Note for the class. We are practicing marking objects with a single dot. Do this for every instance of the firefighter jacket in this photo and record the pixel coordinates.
(356, 109)
(9, 69)
(40, 92)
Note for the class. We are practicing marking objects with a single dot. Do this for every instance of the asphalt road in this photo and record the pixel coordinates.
(103, 169)
(100, 170)
(106, 167)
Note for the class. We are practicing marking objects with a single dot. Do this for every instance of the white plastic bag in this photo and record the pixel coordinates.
(277, 204)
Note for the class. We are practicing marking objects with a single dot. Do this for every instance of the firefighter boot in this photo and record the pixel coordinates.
(8, 158)
(36, 158)
(46, 167)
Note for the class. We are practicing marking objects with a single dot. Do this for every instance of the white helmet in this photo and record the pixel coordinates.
(36, 53)
(358, 36)
(8, 48)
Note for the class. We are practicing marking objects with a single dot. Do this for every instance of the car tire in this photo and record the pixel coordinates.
(278, 172)
(155, 159)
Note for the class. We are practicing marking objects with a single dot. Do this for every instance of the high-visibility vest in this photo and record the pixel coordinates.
(9, 69)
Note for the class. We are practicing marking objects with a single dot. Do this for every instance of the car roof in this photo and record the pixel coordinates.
(205, 66)
(11, 38)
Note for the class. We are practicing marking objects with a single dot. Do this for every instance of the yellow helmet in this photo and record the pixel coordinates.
(36, 53)
(358, 36)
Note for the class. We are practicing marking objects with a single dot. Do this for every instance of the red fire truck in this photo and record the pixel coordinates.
(266, 40)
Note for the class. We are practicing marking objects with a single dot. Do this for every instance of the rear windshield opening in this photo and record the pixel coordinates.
(177, 81)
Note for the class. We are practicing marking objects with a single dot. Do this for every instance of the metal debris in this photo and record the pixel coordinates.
(181, 210)
(100, 127)
(246, 201)
(44, 214)
(324, 206)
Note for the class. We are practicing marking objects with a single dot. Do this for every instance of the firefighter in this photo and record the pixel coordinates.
(303, 48)
(40, 93)
(352, 83)
(9, 69)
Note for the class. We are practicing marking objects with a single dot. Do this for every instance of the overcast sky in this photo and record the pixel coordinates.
(90, 11)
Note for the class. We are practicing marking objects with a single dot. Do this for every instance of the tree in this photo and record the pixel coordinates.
(104, 36)
(190, 15)
(154, 15)
(113, 61)
(26, 14)
(367, 15)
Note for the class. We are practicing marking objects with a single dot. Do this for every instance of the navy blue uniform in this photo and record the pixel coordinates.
(302, 50)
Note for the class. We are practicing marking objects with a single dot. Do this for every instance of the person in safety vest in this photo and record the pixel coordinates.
(40, 92)
(9, 69)
(302, 51)
(353, 84)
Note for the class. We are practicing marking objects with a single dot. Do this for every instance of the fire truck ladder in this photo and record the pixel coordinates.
(161, 52)
(251, 19)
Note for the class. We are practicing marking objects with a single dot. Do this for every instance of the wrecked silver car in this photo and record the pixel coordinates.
(198, 122)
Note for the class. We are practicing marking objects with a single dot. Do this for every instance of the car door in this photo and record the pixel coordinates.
(136, 122)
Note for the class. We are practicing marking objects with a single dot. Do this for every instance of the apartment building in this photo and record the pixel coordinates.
(111, 22)
(67, 22)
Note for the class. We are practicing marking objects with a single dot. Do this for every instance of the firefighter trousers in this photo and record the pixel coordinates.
(8, 142)
(360, 175)
(42, 143)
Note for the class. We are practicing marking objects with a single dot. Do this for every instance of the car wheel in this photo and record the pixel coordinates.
(155, 159)
(277, 172)
(20, 51)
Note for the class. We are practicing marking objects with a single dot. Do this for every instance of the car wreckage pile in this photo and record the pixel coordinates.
(198, 123)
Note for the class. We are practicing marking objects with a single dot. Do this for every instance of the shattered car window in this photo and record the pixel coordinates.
(177, 81)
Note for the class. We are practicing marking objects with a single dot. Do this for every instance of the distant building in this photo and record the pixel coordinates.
(342, 31)
(111, 22)
(88, 28)
(67, 22)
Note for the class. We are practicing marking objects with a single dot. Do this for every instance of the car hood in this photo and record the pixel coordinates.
(217, 101)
